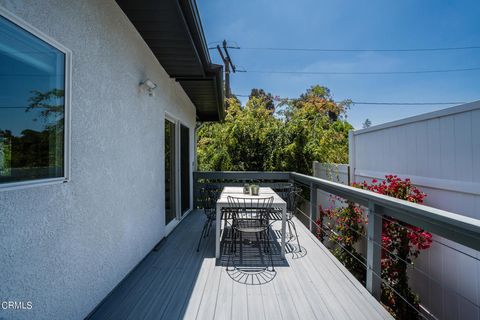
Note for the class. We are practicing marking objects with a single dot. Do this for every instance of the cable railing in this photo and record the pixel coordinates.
(379, 209)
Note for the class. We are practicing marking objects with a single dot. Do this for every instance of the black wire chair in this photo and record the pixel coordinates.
(251, 215)
(291, 195)
(283, 190)
(208, 200)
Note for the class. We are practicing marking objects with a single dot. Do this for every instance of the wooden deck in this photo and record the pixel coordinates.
(176, 282)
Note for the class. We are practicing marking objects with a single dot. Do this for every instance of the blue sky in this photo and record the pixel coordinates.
(376, 24)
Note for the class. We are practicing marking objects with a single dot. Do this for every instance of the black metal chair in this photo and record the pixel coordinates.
(290, 194)
(251, 215)
(208, 200)
(283, 190)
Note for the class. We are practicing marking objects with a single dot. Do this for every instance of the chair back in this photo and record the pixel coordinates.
(292, 199)
(208, 198)
(257, 208)
(283, 190)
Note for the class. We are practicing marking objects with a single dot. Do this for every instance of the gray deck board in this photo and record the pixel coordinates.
(239, 306)
(177, 282)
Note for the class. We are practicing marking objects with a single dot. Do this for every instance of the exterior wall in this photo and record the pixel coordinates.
(66, 246)
(440, 152)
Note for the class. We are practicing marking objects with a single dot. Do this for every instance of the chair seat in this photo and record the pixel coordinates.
(250, 225)
(276, 214)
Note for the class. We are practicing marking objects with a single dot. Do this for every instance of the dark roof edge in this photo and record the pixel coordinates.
(190, 11)
(194, 23)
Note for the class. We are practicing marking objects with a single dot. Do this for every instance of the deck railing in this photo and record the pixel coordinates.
(457, 228)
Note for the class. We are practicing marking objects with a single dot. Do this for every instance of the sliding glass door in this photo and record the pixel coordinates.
(170, 170)
(178, 172)
(184, 168)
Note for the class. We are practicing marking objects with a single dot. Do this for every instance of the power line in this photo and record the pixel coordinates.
(357, 50)
(363, 72)
(408, 103)
(227, 60)
(385, 103)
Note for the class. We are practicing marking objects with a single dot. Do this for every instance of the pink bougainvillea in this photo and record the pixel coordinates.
(401, 242)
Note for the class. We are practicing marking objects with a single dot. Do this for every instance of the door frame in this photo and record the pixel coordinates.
(178, 210)
(190, 166)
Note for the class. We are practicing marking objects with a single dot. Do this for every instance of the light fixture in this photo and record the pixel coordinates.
(148, 86)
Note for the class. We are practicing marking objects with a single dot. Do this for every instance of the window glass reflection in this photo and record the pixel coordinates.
(32, 106)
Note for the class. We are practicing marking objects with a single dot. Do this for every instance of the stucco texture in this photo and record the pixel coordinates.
(66, 246)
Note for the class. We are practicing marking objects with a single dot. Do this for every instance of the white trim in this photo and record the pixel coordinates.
(175, 222)
(178, 200)
(190, 195)
(433, 183)
(170, 117)
(475, 105)
(171, 226)
(31, 29)
(67, 109)
(9, 186)
(67, 156)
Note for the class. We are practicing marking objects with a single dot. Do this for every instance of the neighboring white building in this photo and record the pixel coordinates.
(440, 153)
(115, 158)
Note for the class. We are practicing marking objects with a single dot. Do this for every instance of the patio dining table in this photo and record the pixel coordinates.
(222, 202)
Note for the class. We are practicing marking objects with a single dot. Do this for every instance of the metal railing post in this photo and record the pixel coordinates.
(313, 205)
(374, 252)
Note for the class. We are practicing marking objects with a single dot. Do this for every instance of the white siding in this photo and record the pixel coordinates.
(440, 152)
(333, 172)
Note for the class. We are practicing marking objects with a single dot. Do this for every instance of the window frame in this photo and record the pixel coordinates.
(22, 24)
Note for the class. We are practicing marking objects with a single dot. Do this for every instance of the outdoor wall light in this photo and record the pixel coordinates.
(148, 86)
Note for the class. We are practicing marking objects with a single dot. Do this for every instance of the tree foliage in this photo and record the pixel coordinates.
(265, 98)
(255, 137)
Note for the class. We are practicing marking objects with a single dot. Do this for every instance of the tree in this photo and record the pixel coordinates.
(314, 130)
(367, 124)
(321, 97)
(255, 138)
(244, 141)
(264, 98)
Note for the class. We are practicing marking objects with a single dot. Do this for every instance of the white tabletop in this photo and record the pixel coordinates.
(264, 192)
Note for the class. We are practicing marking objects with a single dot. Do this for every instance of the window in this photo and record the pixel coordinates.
(33, 114)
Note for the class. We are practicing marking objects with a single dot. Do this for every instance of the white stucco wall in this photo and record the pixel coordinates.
(65, 246)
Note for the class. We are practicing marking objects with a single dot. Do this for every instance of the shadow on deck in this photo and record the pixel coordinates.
(177, 282)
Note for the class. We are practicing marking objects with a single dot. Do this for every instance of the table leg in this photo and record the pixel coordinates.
(218, 222)
(284, 231)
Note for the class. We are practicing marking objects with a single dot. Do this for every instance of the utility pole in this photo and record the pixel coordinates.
(227, 61)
